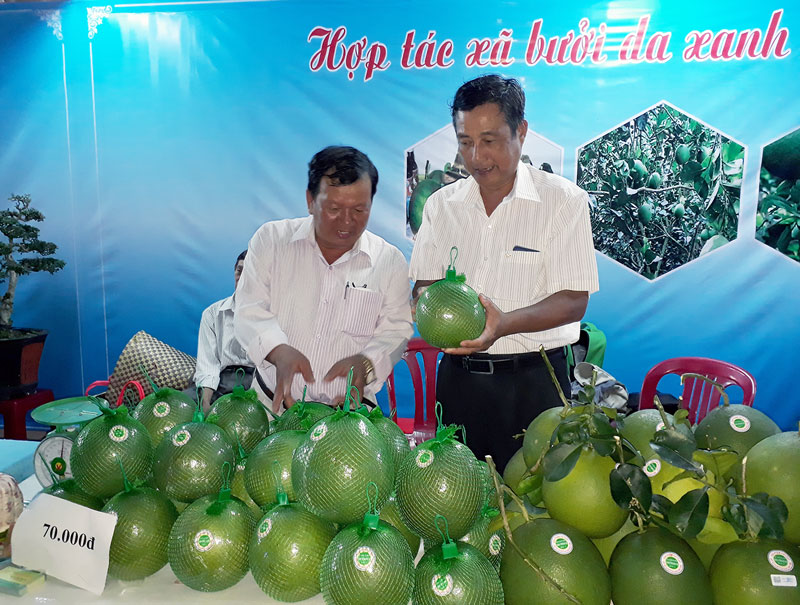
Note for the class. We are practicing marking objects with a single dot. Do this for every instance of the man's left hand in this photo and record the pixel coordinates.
(493, 330)
(342, 368)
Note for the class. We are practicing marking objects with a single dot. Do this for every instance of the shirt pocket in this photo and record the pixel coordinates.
(361, 310)
(520, 272)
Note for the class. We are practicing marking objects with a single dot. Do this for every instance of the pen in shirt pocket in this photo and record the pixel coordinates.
(523, 249)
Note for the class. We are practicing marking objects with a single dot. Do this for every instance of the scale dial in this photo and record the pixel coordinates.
(52, 456)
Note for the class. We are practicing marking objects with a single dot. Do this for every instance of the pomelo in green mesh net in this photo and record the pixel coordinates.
(449, 311)
(241, 415)
(335, 462)
(391, 514)
(162, 410)
(188, 462)
(366, 563)
(286, 551)
(208, 542)
(259, 478)
(393, 435)
(103, 444)
(238, 489)
(441, 476)
(456, 572)
(489, 543)
(301, 416)
(68, 490)
(144, 520)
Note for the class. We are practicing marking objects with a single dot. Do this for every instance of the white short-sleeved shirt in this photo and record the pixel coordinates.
(217, 347)
(537, 242)
(289, 294)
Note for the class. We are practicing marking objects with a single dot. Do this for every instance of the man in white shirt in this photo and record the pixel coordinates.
(219, 354)
(525, 244)
(321, 294)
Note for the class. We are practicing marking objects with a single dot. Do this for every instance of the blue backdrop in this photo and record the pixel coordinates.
(157, 137)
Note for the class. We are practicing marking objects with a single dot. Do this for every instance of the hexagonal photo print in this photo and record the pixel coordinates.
(664, 189)
(778, 217)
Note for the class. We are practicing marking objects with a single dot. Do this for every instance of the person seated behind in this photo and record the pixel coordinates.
(219, 354)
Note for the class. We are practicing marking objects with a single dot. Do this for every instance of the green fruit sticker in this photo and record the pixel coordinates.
(203, 540)
(424, 458)
(364, 559)
(181, 438)
(442, 585)
(561, 544)
(739, 423)
(161, 409)
(118, 433)
(495, 544)
(264, 528)
(780, 560)
(672, 563)
(652, 467)
(660, 426)
(319, 432)
(240, 466)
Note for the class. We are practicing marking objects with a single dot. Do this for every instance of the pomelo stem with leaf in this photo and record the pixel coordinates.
(658, 404)
(554, 379)
(509, 537)
(714, 383)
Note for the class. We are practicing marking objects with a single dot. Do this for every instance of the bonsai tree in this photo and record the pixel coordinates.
(21, 252)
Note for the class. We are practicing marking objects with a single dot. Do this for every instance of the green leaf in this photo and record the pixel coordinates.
(629, 482)
(568, 431)
(559, 461)
(682, 417)
(601, 425)
(689, 514)
(530, 483)
(603, 445)
(765, 515)
(661, 505)
(717, 461)
(717, 533)
(612, 414)
(690, 171)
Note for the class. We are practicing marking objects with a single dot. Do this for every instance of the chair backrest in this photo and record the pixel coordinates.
(424, 398)
(698, 395)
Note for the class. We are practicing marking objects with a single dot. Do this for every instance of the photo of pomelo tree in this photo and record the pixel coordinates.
(778, 217)
(664, 190)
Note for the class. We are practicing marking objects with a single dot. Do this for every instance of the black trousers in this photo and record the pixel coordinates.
(497, 396)
(227, 380)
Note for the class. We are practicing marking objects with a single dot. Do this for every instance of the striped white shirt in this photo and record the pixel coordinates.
(289, 294)
(537, 242)
(217, 347)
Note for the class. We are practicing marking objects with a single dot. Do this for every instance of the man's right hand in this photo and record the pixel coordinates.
(288, 361)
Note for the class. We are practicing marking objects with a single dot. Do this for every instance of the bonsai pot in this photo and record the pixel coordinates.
(19, 362)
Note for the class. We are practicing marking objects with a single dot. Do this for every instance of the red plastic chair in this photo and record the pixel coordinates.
(698, 395)
(423, 425)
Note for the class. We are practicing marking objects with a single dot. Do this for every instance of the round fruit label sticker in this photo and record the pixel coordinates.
(161, 409)
(442, 585)
(364, 559)
(739, 423)
(118, 433)
(495, 544)
(319, 432)
(203, 540)
(240, 466)
(264, 528)
(672, 563)
(780, 560)
(660, 426)
(561, 543)
(652, 467)
(181, 438)
(424, 458)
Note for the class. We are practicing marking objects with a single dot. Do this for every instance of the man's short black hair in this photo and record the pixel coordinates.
(342, 165)
(506, 92)
(240, 258)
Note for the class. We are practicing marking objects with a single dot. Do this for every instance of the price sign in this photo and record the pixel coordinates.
(65, 540)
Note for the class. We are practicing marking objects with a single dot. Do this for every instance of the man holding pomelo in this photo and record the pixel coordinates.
(525, 244)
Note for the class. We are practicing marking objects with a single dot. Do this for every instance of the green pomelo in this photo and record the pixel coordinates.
(449, 312)
(640, 428)
(242, 416)
(286, 552)
(260, 469)
(68, 490)
(419, 196)
(742, 573)
(208, 543)
(682, 154)
(333, 465)
(440, 477)
(105, 443)
(468, 579)
(583, 498)
(564, 554)
(660, 565)
(773, 466)
(655, 180)
(162, 410)
(645, 212)
(394, 436)
(737, 426)
(489, 543)
(640, 168)
(678, 210)
(189, 461)
(782, 158)
(538, 434)
(144, 520)
(515, 469)
(607, 545)
(391, 514)
(302, 416)
(364, 567)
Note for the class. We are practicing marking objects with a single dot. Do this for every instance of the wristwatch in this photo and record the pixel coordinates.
(369, 371)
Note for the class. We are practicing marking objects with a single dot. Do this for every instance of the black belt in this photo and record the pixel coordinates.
(484, 363)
